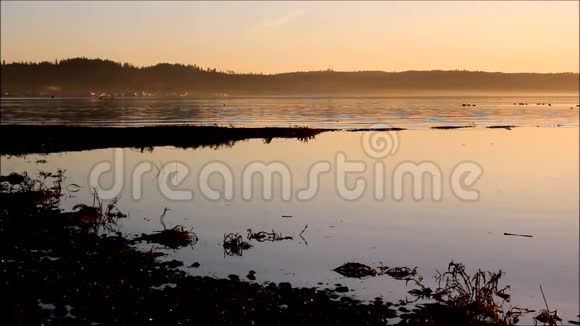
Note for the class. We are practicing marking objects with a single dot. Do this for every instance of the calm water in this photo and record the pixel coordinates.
(530, 185)
(408, 112)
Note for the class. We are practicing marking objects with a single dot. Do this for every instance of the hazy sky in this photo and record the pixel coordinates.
(290, 36)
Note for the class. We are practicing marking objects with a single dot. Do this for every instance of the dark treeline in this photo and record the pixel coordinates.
(82, 76)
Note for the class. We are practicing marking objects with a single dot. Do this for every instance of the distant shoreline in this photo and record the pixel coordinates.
(83, 76)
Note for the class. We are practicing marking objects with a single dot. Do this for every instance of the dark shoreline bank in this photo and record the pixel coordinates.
(24, 139)
(46, 139)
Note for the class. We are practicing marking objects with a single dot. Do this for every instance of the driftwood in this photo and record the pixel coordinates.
(518, 235)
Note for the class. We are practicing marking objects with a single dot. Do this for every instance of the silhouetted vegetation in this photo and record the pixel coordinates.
(83, 76)
(173, 238)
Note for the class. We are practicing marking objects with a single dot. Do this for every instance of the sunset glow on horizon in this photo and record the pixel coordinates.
(273, 37)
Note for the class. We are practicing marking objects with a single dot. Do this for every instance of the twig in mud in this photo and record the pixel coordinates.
(518, 235)
(301, 237)
(544, 297)
(162, 218)
(546, 316)
(266, 236)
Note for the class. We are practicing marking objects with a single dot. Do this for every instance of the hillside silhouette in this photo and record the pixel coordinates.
(83, 76)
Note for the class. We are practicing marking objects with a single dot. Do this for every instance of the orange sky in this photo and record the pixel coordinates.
(274, 37)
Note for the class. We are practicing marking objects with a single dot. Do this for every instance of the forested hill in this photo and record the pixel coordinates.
(82, 76)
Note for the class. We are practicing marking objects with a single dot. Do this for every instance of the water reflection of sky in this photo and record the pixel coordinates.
(529, 185)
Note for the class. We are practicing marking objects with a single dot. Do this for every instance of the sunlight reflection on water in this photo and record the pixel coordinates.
(340, 113)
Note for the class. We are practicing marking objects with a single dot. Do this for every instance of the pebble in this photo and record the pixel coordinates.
(234, 277)
(341, 289)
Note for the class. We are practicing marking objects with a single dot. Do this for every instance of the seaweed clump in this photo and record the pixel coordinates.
(234, 244)
(401, 273)
(358, 270)
(173, 238)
